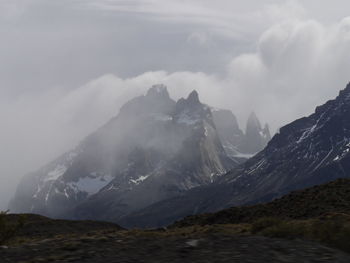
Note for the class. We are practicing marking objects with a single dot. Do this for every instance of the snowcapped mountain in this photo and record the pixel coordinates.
(309, 151)
(154, 149)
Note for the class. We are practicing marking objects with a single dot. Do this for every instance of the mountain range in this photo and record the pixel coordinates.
(154, 149)
(159, 160)
(309, 151)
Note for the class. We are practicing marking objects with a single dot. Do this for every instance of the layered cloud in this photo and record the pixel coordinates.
(297, 65)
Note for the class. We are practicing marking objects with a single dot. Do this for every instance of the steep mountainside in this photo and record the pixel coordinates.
(154, 149)
(309, 151)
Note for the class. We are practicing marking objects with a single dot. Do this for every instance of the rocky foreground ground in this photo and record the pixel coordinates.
(161, 246)
(32, 238)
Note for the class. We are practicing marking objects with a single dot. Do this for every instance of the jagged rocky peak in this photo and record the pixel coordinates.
(156, 100)
(253, 123)
(191, 101)
(193, 97)
(228, 130)
(256, 137)
(191, 110)
(158, 90)
(227, 120)
(235, 142)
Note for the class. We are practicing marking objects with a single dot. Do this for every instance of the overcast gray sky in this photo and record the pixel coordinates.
(67, 66)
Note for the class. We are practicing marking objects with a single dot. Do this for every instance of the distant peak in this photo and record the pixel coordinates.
(158, 90)
(193, 97)
(253, 122)
(253, 116)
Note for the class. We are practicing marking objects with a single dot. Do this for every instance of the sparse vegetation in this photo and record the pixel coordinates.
(327, 222)
(320, 213)
(332, 230)
(264, 223)
(8, 229)
(42, 239)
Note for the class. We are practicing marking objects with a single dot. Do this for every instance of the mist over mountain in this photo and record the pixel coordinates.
(309, 151)
(62, 80)
(154, 149)
(175, 131)
(159, 160)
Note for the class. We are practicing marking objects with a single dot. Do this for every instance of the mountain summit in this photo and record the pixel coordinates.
(154, 149)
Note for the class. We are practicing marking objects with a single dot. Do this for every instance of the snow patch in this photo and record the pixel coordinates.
(206, 133)
(90, 184)
(140, 179)
(343, 154)
(307, 133)
(257, 166)
(188, 120)
(244, 155)
(56, 173)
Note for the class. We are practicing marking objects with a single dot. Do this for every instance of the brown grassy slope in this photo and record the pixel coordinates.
(333, 197)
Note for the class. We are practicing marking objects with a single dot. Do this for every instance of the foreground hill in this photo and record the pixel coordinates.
(34, 226)
(44, 240)
(289, 229)
(333, 197)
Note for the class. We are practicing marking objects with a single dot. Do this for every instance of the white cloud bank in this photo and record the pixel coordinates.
(297, 65)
